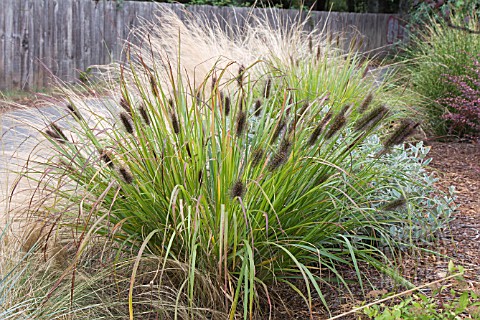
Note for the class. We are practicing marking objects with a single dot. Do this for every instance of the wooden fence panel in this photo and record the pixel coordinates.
(40, 39)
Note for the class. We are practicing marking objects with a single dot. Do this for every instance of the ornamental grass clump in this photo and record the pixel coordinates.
(232, 196)
(442, 46)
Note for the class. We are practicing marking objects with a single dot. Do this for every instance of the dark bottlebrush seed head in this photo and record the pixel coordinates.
(153, 84)
(310, 44)
(319, 128)
(187, 147)
(303, 109)
(238, 190)
(285, 146)
(281, 156)
(241, 123)
(104, 155)
(54, 136)
(125, 105)
(144, 114)
(268, 88)
(226, 105)
(74, 111)
(257, 156)
(371, 119)
(315, 134)
(57, 129)
(278, 130)
(241, 102)
(336, 125)
(319, 53)
(175, 123)
(214, 82)
(258, 108)
(395, 204)
(344, 110)
(365, 103)
(126, 120)
(171, 104)
(56, 133)
(126, 175)
(404, 130)
(277, 160)
(241, 71)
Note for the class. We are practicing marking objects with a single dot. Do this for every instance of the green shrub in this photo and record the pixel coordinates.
(436, 50)
(409, 190)
(236, 174)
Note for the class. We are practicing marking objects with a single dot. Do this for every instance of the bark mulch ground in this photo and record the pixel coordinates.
(455, 164)
(458, 164)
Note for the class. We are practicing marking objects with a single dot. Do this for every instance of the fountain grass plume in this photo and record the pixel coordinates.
(195, 178)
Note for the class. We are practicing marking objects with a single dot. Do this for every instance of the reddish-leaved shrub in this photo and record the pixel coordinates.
(464, 105)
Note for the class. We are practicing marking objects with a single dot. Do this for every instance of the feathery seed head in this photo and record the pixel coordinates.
(241, 72)
(175, 123)
(404, 130)
(319, 53)
(277, 160)
(365, 103)
(126, 175)
(285, 146)
(258, 108)
(144, 114)
(281, 156)
(268, 87)
(56, 133)
(74, 111)
(257, 156)
(126, 121)
(153, 84)
(214, 82)
(319, 128)
(105, 156)
(371, 119)
(278, 130)
(337, 123)
(345, 109)
(238, 190)
(125, 105)
(241, 123)
(226, 104)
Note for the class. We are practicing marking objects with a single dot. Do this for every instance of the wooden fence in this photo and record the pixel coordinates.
(44, 38)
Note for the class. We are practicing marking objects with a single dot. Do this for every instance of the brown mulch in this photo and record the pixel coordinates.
(458, 165)
(455, 164)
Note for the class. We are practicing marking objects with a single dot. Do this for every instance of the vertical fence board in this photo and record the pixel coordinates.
(40, 28)
(3, 18)
(76, 45)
